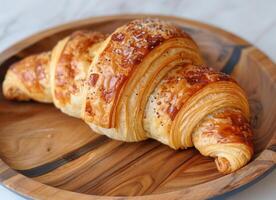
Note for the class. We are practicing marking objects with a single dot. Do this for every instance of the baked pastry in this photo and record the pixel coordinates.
(145, 80)
(29, 79)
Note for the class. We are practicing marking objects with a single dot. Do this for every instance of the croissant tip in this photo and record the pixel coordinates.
(223, 165)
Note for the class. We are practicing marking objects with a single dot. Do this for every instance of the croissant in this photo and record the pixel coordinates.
(145, 80)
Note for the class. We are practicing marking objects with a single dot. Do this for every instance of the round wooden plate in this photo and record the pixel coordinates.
(45, 154)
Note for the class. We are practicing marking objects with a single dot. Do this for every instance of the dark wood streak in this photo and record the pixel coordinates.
(190, 30)
(237, 49)
(234, 59)
(272, 147)
(96, 161)
(48, 167)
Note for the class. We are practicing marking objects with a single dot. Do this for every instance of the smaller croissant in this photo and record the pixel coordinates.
(145, 80)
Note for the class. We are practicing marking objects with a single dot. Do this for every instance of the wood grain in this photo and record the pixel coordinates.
(60, 156)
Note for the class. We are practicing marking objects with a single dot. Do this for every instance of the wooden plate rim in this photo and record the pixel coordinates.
(204, 190)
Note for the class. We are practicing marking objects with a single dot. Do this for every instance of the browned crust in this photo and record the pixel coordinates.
(33, 72)
(127, 47)
(235, 130)
(182, 83)
(75, 51)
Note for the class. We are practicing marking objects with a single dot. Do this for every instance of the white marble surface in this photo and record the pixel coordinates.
(254, 20)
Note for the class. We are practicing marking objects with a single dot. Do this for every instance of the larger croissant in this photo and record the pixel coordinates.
(145, 80)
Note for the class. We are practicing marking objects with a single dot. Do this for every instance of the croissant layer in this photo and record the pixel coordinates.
(29, 79)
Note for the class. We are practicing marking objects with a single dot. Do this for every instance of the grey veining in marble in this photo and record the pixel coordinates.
(253, 20)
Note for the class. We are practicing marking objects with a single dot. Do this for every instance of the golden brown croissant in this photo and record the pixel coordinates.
(146, 80)
(29, 79)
